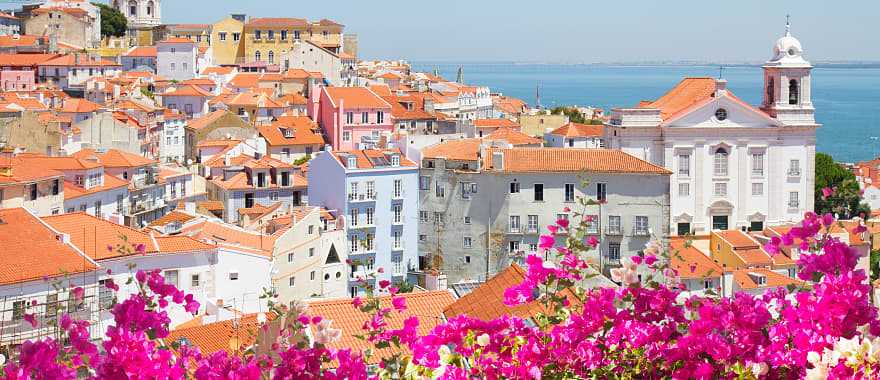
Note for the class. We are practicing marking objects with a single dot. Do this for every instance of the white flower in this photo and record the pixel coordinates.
(483, 340)
(813, 357)
(773, 308)
(760, 369)
(299, 307)
(817, 373)
(445, 354)
(326, 335)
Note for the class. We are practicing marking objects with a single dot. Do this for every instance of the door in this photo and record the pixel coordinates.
(719, 222)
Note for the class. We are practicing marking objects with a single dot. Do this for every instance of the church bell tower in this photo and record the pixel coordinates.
(787, 83)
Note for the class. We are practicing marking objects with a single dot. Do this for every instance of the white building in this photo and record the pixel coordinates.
(311, 57)
(574, 135)
(382, 232)
(177, 58)
(734, 165)
(140, 12)
(172, 146)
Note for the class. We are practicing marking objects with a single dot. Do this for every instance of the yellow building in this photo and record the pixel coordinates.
(226, 40)
(200, 33)
(267, 39)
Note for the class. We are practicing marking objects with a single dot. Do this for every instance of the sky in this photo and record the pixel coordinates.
(574, 31)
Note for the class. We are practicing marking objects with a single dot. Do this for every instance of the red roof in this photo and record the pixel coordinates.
(579, 130)
(72, 60)
(31, 250)
(281, 22)
(142, 51)
(371, 158)
(77, 105)
(188, 90)
(571, 160)
(355, 97)
(303, 131)
(690, 262)
(115, 158)
(25, 59)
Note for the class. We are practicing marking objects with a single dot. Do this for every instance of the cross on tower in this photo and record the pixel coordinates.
(787, 24)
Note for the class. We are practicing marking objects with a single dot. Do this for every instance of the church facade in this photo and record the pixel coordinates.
(735, 166)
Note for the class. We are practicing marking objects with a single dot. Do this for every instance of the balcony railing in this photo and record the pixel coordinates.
(614, 231)
(794, 172)
(640, 232)
(397, 246)
(368, 197)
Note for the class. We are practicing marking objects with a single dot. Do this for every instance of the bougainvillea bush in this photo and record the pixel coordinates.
(648, 329)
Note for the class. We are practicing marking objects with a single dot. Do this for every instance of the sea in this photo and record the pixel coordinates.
(847, 99)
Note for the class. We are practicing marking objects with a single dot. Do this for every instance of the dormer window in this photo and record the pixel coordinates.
(352, 162)
(288, 133)
(395, 160)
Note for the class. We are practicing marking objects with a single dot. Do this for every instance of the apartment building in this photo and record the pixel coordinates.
(27, 184)
(268, 38)
(352, 117)
(378, 204)
(251, 181)
(484, 205)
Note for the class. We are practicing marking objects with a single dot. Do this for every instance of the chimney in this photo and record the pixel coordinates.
(720, 87)
(498, 160)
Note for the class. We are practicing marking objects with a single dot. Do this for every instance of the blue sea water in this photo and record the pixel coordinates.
(847, 100)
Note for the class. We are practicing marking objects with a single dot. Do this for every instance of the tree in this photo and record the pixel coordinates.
(113, 22)
(846, 202)
(575, 115)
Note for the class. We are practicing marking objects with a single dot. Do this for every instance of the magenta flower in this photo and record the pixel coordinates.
(399, 303)
(553, 229)
(563, 223)
(357, 302)
(140, 248)
(384, 284)
(30, 318)
(566, 209)
(546, 242)
(650, 259)
(380, 270)
(827, 192)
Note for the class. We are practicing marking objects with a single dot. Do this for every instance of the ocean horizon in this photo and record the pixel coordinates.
(846, 97)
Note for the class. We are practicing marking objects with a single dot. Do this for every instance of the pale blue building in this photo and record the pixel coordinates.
(376, 194)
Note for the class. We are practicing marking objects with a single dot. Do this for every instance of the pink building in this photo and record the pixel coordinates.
(353, 117)
(17, 80)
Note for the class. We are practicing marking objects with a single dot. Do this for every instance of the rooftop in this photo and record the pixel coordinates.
(355, 97)
(571, 160)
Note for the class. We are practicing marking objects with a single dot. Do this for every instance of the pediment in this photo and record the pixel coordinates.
(738, 115)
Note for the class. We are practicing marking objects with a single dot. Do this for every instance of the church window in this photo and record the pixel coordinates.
(794, 94)
(770, 91)
(257, 56)
(271, 57)
(150, 8)
(721, 162)
(132, 8)
(721, 114)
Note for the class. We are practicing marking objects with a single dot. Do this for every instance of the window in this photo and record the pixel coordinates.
(365, 117)
(439, 190)
(423, 238)
(514, 246)
(371, 190)
(423, 216)
(312, 276)
(397, 214)
(756, 226)
(757, 188)
(349, 117)
(793, 200)
(514, 187)
(120, 203)
(532, 223)
(707, 284)
(258, 34)
(539, 192)
(396, 241)
(721, 114)
(353, 217)
(684, 165)
(684, 229)
(270, 34)
(291, 281)
(424, 182)
(171, 277)
(592, 223)
(468, 242)
(353, 191)
(468, 189)
(641, 226)
(395, 159)
(98, 211)
(353, 244)
(185, 66)
(33, 191)
(55, 187)
(346, 136)
(601, 192)
(369, 246)
(283, 35)
(236, 36)
(467, 220)
(613, 251)
(222, 36)
(758, 164)
(285, 179)
(258, 55)
(614, 224)
(296, 34)
(438, 218)
(721, 162)
(794, 92)
(18, 310)
(569, 192)
(720, 189)
(514, 223)
(794, 168)
(271, 56)
(52, 305)
(311, 251)
(380, 117)
(398, 188)
(290, 257)
(194, 281)
(173, 66)
(311, 229)
(684, 189)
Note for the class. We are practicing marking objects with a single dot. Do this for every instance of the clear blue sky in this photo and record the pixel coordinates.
(575, 30)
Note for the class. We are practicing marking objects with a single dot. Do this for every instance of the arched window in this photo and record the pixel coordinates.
(794, 92)
(271, 57)
(133, 8)
(150, 8)
(258, 56)
(771, 98)
(721, 162)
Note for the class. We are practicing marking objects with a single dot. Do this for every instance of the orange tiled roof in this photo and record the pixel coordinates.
(738, 239)
(428, 306)
(366, 158)
(173, 216)
(774, 280)
(215, 337)
(206, 120)
(252, 99)
(71, 60)
(73, 191)
(245, 80)
(295, 74)
(509, 105)
(280, 22)
(456, 150)
(93, 235)
(115, 158)
(486, 302)
(24, 170)
(381, 89)
(25, 59)
(513, 137)
(199, 82)
(304, 131)
(228, 235)
(690, 262)
(355, 97)
(687, 93)
(75, 105)
(211, 205)
(579, 130)
(23, 40)
(293, 99)
(495, 123)
(32, 251)
(219, 70)
(187, 90)
(572, 160)
(142, 51)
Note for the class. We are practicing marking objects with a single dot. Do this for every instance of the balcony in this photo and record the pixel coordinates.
(613, 231)
(398, 246)
(532, 230)
(146, 206)
(640, 232)
(515, 231)
(368, 197)
(794, 172)
(397, 221)
(397, 195)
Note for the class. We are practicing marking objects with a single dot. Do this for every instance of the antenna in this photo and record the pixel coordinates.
(721, 72)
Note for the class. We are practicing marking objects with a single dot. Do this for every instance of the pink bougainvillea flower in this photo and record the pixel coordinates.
(563, 223)
(399, 303)
(357, 302)
(546, 242)
(592, 241)
(827, 192)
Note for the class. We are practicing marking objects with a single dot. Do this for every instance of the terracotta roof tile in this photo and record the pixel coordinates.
(690, 262)
(281, 22)
(70, 60)
(688, 92)
(206, 120)
(25, 59)
(579, 130)
(227, 235)
(173, 216)
(371, 158)
(773, 279)
(188, 90)
(572, 160)
(427, 306)
(513, 137)
(115, 158)
(141, 51)
(456, 150)
(303, 131)
(31, 250)
(356, 97)
(214, 337)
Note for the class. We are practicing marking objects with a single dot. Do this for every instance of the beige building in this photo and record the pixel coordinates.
(30, 134)
(537, 125)
(73, 26)
(216, 125)
(198, 33)
(267, 39)
(226, 40)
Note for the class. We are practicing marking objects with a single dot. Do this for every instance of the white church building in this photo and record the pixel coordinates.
(735, 166)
